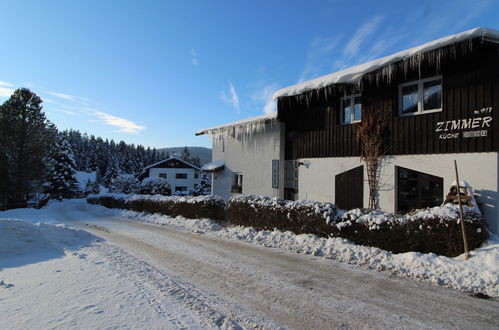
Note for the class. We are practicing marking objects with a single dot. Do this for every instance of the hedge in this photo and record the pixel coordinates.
(211, 207)
(434, 230)
(300, 217)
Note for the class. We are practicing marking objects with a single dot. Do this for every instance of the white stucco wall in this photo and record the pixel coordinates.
(317, 182)
(170, 172)
(251, 156)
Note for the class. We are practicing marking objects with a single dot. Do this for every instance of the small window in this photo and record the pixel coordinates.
(422, 96)
(237, 183)
(416, 190)
(162, 175)
(196, 175)
(179, 188)
(351, 109)
(181, 176)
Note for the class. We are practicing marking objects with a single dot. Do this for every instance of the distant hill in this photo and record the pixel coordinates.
(203, 153)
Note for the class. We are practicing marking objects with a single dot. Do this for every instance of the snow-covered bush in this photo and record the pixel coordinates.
(124, 184)
(263, 212)
(155, 186)
(436, 230)
(212, 207)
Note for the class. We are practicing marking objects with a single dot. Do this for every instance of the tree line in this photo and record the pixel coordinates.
(35, 157)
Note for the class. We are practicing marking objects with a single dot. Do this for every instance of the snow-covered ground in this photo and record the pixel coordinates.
(479, 274)
(53, 275)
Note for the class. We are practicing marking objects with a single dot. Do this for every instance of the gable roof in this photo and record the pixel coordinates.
(248, 123)
(354, 74)
(168, 159)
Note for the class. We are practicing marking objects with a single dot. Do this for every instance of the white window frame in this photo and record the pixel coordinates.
(420, 84)
(352, 114)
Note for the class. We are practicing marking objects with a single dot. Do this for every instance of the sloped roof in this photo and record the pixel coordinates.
(168, 159)
(242, 123)
(354, 74)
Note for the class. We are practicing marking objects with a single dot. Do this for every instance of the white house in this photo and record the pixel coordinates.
(247, 157)
(181, 175)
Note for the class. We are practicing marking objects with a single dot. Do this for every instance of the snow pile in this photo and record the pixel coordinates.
(22, 239)
(480, 274)
(354, 74)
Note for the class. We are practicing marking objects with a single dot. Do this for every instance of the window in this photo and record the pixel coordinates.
(351, 109)
(417, 190)
(237, 183)
(181, 176)
(422, 96)
(162, 175)
(178, 188)
(196, 175)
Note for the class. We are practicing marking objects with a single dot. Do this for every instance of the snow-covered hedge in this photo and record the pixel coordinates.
(300, 217)
(434, 230)
(212, 207)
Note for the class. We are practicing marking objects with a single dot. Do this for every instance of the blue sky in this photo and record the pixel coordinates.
(155, 72)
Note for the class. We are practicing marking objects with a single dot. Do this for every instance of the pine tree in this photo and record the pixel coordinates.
(61, 181)
(24, 140)
(185, 155)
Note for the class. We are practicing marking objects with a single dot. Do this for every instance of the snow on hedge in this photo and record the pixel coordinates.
(205, 199)
(480, 274)
(373, 219)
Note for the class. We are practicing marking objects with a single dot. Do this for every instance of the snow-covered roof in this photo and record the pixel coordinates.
(168, 159)
(354, 74)
(248, 123)
(215, 166)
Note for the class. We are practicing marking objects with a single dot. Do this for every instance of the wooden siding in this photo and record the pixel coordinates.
(469, 82)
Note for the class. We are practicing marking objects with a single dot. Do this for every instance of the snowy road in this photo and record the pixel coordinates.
(229, 283)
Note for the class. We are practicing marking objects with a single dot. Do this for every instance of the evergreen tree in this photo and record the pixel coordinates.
(185, 155)
(112, 172)
(24, 140)
(61, 181)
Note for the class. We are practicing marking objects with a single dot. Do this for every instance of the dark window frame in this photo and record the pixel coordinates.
(237, 183)
(181, 176)
(419, 181)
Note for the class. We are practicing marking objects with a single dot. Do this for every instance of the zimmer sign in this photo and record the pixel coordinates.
(473, 127)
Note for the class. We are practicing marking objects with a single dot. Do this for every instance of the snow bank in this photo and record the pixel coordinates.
(480, 274)
(23, 242)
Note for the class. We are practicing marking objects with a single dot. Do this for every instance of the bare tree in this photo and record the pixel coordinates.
(371, 134)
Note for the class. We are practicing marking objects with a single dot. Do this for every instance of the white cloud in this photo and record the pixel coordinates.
(194, 58)
(352, 47)
(264, 97)
(62, 95)
(231, 98)
(5, 89)
(124, 125)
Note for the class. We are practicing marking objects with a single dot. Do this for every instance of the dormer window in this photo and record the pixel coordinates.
(351, 109)
(421, 96)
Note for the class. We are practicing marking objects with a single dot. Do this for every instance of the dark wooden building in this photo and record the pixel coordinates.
(438, 102)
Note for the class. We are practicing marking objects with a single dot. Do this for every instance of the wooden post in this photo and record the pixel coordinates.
(466, 249)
